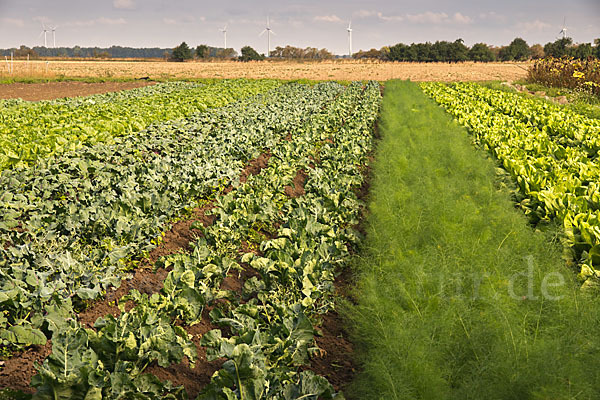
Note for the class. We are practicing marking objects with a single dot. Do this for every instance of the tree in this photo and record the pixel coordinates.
(597, 49)
(537, 51)
(458, 51)
(225, 53)
(25, 51)
(583, 51)
(249, 54)
(291, 52)
(371, 54)
(481, 52)
(398, 52)
(559, 48)
(182, 52)
(202, 51)
(516, 50)
(520, 49)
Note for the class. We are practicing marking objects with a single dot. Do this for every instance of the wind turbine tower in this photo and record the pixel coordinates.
(44, 32)
(349, 29)
(269, 31)
(53, 29)
(224, 30)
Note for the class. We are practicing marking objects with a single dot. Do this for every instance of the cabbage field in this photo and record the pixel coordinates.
(82, 205)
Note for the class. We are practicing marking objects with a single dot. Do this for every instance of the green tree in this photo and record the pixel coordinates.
(458, 51)
(520, 49)
(559, 48)
(516, 50)
(249, 54)
(202, 51)
(597, 48)
(481, 52)
(182, 52)
(583, 51)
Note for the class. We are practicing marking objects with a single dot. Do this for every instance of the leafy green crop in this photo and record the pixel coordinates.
(31, 130)
(71, 224)
(267, 333)
(551, 152)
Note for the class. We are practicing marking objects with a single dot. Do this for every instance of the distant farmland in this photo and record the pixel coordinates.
(328, 70)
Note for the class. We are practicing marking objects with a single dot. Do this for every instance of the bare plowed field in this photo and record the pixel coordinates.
(56, 90)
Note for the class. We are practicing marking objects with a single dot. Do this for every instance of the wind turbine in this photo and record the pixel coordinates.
(349, 29)
(53, 29)
(224, 30)
(269, 32)
(563, 31)
(44, 32)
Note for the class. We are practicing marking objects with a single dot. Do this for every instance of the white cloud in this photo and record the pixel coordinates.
(328, 18)
(12, 22)
(533, 26)
(461, 19)
(124, 4)
(427, 18)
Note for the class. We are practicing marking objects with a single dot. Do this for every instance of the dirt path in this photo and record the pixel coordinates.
(56, 90)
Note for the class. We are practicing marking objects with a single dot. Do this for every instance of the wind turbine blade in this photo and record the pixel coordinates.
(271, 30)
(262, 33)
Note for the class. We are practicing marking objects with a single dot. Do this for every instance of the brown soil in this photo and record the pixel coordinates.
(255, 166)
(56, 90)
(336, 359)
(297, 187)
(17, 375)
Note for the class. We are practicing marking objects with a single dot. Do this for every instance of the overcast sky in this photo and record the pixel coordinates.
(315, 23)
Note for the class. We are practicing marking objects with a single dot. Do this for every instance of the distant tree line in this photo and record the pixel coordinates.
(109, 52)
(440, 51)
(184, 52)
(87, 52)
(517, 50)
(296, 53)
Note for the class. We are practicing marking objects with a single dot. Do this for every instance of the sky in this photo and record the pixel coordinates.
(301, 23)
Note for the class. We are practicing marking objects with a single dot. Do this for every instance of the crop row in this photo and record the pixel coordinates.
(31, 130)
(72, 224)
(267, 332)
(551, 152)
